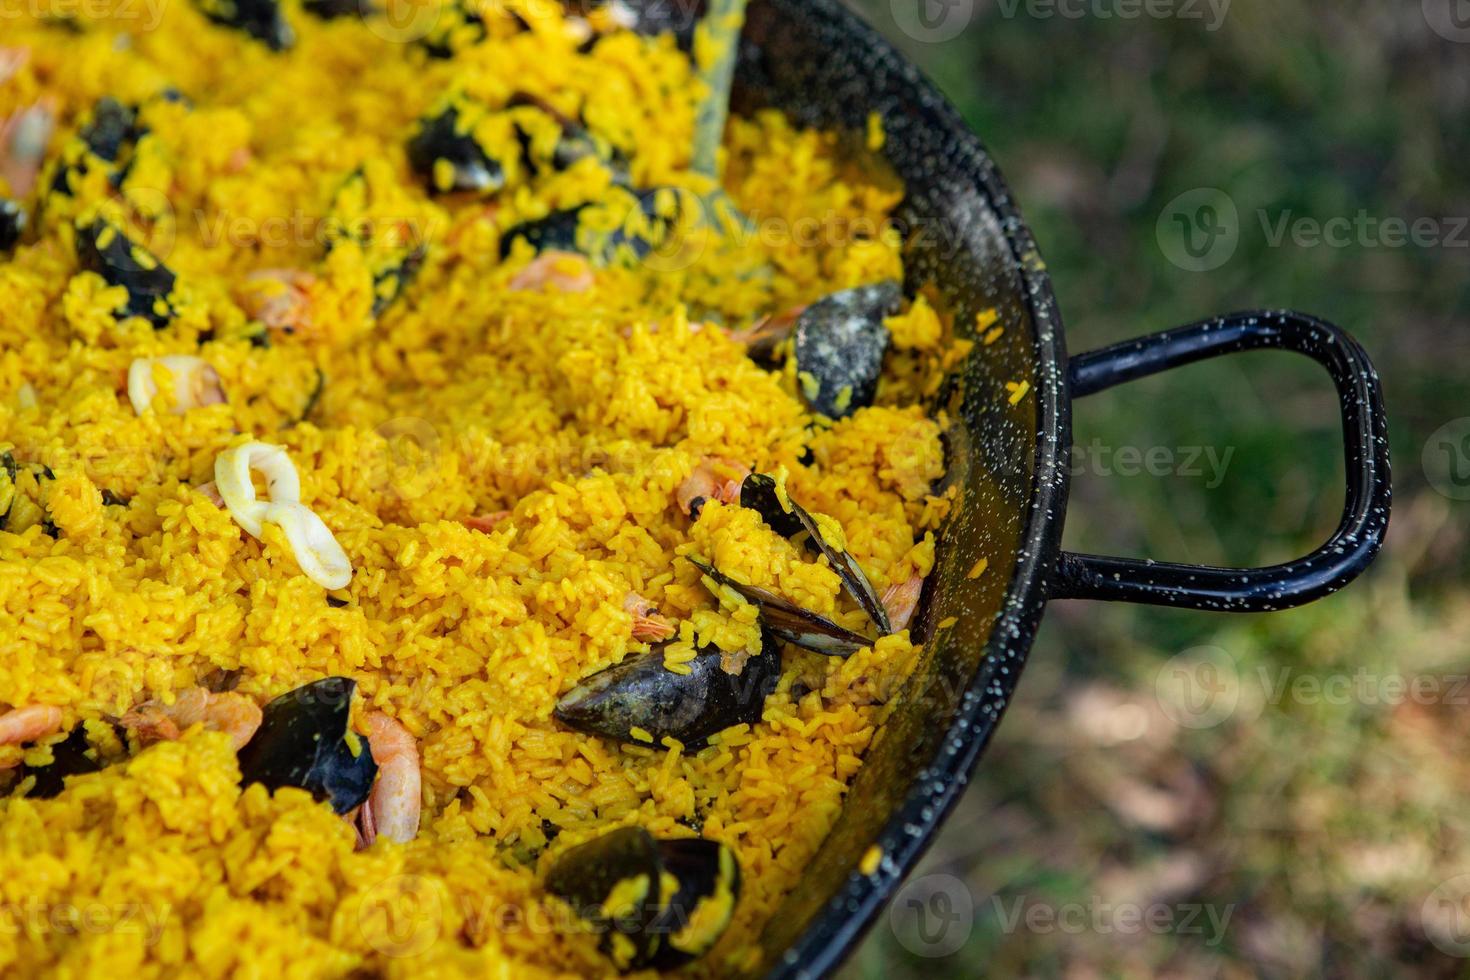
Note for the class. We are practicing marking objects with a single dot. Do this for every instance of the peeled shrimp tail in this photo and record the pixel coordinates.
(397, 794)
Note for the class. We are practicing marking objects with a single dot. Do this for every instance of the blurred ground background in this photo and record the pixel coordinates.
(1283, 795)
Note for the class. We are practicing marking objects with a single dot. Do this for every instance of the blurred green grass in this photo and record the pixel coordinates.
(1321, 823)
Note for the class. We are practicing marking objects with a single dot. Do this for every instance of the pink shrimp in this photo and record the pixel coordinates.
(565, 272)
(486, 522)
(27, 724)
(712, 479)
(392, 807)
(488, 213)
(648, 625)
(232, 713)
(762, 336)
(280, 298)
(901, 599)
(23, 139)
(12, 60)
(239, 160)
(212, 494)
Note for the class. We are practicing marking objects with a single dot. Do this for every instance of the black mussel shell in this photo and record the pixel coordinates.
(789, 622)
(642, 693)
(312, 400)
(758, 493)
(564, 231)
(113, 128)
(840, 344)
(104, 249)
(105, 141)
(707, 872)
(653, 925)
(585, 877)
(260, 19)
(12, 470)
(302, 742)
(439, 138)
(677, 17)
(557, 232)
(576, 142)
(457, 27)
(392, 269)
(12, 223)
(332, 9)
(69, 757)
(389, 284)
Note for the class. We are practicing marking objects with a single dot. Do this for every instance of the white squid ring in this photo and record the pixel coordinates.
(232, 478)
(316, 549)
(195, 381)
(317, 552)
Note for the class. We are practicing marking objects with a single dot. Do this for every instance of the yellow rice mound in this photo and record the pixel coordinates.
(579, 414)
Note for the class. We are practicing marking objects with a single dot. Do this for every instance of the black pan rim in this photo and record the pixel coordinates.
(851, 912)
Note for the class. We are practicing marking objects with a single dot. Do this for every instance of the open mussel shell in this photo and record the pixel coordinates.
(440, 140)
(390, 281)
(642, 693)
(104, 141)
(557, 232)
(302, 742)
(650, 897)
(575, 144)
(13, 220)
(11, 469)
(103, 248)
(456, 26)
(840, 344)
(758, 493)
(613, 883)
(260, 19)
(568, 230)
(113, 128)
(72, 756)
(789, 622)
(332, 9)
(708, 877)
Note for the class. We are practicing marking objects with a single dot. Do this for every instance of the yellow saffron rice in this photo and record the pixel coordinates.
(571, 416)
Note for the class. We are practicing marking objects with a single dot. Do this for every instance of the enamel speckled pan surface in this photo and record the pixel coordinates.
(820, 64)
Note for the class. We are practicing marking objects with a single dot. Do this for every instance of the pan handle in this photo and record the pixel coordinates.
(1369, 489)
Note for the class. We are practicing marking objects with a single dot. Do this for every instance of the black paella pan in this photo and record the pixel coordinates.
(965, 237)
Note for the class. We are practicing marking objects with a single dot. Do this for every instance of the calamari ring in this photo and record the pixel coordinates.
(316, 549)
(232, 478)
